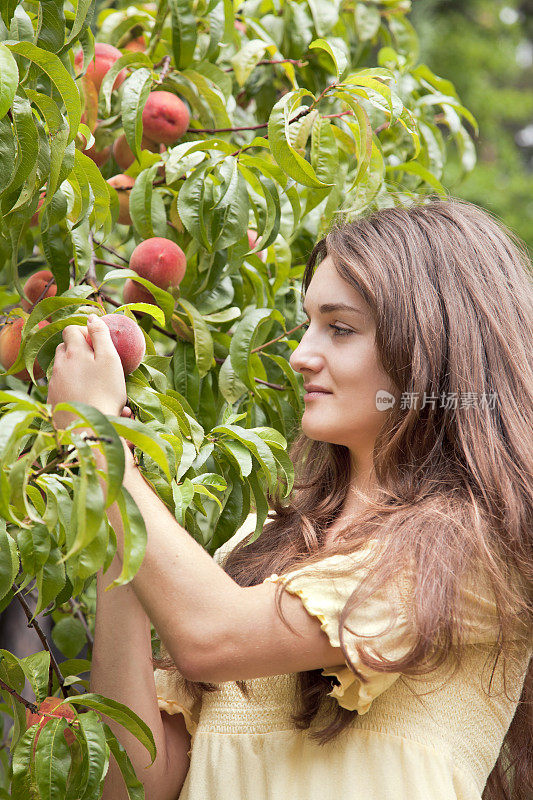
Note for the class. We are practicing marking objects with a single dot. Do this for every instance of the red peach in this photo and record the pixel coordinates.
(123, 153)
(165, 117)
(253, 236)
(128, 340)
(98, 156)
(160, 261)
(10, 341)
(134, 292)
(105, 56)
(50, 705)
(35, 219)
(35, 285)
(137, 45)
(123, 185)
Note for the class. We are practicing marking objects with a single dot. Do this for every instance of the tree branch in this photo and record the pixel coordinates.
(281, 336)
(32, 707)
(54, 667)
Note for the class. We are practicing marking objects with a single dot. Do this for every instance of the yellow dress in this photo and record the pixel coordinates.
(435, 737)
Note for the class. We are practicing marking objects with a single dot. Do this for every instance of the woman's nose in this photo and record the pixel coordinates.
(306, 356)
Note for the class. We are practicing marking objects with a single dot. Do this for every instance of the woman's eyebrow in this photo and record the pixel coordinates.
(326, 308)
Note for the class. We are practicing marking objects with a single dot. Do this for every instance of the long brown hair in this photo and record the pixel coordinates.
(451, 293)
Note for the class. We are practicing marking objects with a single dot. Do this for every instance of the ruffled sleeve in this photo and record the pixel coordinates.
(173, 696)
(385, 616)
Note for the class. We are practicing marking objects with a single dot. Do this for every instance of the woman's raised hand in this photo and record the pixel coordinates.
(87, 369)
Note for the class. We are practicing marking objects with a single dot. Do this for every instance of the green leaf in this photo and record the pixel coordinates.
(148, 441)
(280, 143)
(22, 786)
(230, 517)
(97, 753)
(106, 87)
(69, 635)
(147, 209)
(325, 15)
(238, 454)
(203, 341)
(133, 785)
(243, 340)
(337, 55)
(230, 385)
(52, 760)
(367, 21)
(121, 714)
(414, 168)
(9, 560)
(61, 79)
(135, 91)
(8, 9)
(36, 669)
(9, 77)
(135, 538)
(50, 579)
(257, 447)
(246, 59)
(183, 32)
(163, 298)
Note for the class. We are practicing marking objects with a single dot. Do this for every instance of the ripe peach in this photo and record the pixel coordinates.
(123, 153)
(253, 236)
(34, 287)
(105, 56)
(98, 156)
(50, 705)
(35, 219)
(160, 261)
(123, 185)
(134, 292)
(137, 45)
(165, 117)
(10, 341)
(128, 340)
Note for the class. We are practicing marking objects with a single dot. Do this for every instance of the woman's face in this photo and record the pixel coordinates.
(338, 353)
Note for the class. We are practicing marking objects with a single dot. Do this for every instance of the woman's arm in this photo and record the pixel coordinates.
(122, 670)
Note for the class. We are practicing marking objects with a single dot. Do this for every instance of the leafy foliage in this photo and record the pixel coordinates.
(486, 49)
(301, 113)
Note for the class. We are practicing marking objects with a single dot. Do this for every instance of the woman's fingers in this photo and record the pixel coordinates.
(101, 337)
(73, 337)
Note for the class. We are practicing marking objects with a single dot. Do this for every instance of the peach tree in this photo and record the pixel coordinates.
(173, 163)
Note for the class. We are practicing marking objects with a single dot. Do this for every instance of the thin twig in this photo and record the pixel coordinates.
(32, 707)
(267, 62)
(281, 336)
(81, 616)
(109, 264)
(272, 385)
(228, 130)
(165, 63)
(110, 250)
(54, 667)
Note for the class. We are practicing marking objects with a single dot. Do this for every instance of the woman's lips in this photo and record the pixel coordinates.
(314, 394)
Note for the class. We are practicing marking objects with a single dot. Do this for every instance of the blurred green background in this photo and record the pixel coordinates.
(485, 47)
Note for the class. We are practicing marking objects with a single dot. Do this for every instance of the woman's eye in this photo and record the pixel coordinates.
(341, 331)
(338, 331)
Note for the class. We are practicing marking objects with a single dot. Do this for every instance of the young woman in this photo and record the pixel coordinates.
(375, 642)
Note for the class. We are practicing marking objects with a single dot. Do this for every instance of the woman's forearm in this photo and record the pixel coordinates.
(188, 597)
(122, 670)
